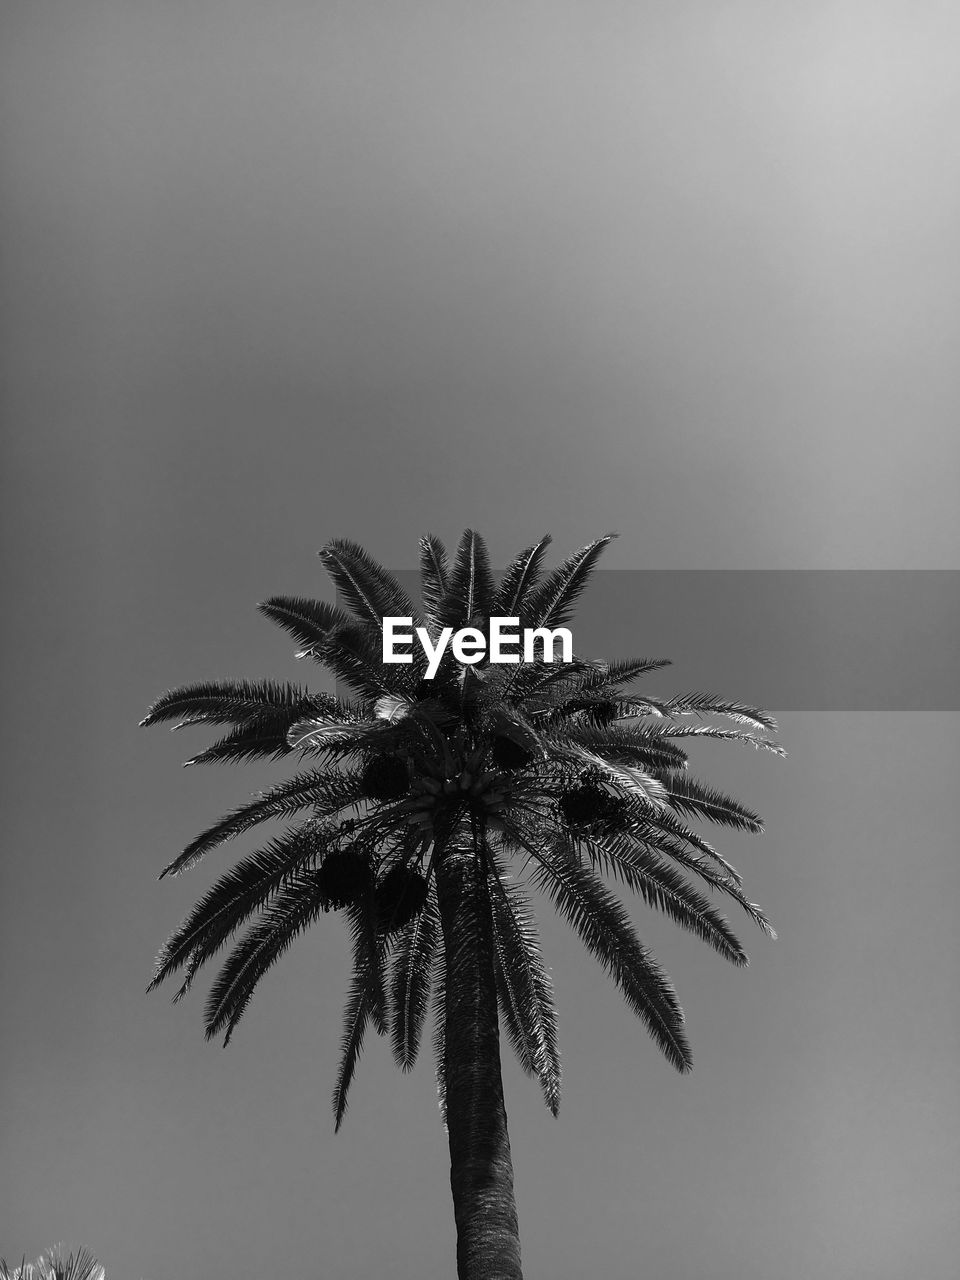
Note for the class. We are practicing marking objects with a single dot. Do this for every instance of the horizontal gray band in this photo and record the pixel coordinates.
(784, 639)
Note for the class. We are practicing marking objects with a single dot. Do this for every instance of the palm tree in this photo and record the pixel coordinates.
(54, 1264)
(425, 809)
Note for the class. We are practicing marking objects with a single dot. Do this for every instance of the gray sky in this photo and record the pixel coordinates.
(278, 273)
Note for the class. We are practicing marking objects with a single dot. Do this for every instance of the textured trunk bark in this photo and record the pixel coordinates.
(481, 1172)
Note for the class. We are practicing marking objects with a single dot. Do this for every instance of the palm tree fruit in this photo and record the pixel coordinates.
(603, 712)
(399, 896)
(343, 878)
(581, 806)
(385, 778)
(615, 808)
(508, 754)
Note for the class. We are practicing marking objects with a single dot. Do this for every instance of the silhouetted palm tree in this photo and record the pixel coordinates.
(425, 805)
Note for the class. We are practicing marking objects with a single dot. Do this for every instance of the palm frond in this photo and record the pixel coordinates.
(687, 795)
(551, 604)
(623, 671)
(243, 890)
(310, 622)
(365, 1001)
(411, 979)
(295, 907)
(357, 662)
(236, 702)
(263, 741)
(321, 734)
(543, 686)
(643, 745)
(434, 570)
(607, 933)
(350, 649)
(356, 1015)
(627, 777)
(709, 704)
(325, 792)
(393, 707)
(470, 584)
(370, 591)
(750, 738)
(728, 882)
(662, 888)
(521, 576)
(665, 823)
(524, 988)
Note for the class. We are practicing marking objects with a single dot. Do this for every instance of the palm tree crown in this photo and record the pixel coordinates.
(425, 807)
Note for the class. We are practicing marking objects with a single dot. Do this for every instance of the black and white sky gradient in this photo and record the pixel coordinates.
(276, 273)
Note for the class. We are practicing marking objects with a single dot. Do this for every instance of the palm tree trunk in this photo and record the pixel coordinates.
(481, 1172)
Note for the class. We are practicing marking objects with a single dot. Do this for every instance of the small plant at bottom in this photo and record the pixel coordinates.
(54, 1264)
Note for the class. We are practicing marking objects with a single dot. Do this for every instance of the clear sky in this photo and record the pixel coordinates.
(276, 273)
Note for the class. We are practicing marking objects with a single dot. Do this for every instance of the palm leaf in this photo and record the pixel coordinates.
(236, 702)
(730, 735)
(551, 605)
(321, 734)
(544, 686)
(356, 1015)
(614, 674)
(258, 741)
(708, 704)
(687, 795)
(310, 622)
(628, 777)
(412, 976)
(470, 585)
(663, 888)
(369, 590)
(392, 707)
(727, 883)
(665, 823)
(356, 661)
(641, 745)
(434, 569)
(606, 932)
(325, 792)
(519, 580)
(524, 988)
(243, 890)
(365, 1000)
(295, 907)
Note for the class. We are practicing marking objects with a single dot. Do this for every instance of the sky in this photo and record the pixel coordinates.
(274, 274)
